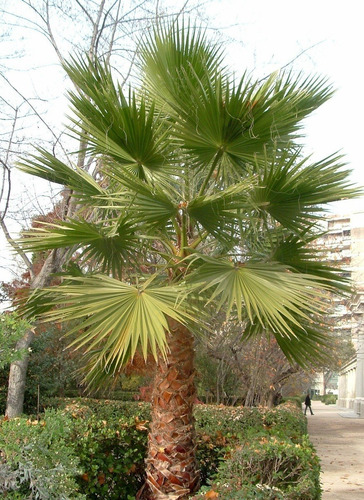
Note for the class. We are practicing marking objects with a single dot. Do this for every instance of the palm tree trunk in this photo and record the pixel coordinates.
(171, 463)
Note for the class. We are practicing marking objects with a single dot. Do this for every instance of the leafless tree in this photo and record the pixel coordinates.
(254, 371)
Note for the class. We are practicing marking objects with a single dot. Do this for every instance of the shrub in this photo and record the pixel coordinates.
(329, 399)
(297, 400)
(109, 439)
(271, 468)
(37, 458)
(272, 461)
(288, 419)
(111, 447)
(103, 408)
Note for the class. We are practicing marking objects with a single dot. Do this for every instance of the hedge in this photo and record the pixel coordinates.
(96, 450)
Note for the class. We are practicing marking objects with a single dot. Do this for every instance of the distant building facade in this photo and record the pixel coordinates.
(344, 245)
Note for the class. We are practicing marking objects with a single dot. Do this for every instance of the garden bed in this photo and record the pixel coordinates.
(93, 449)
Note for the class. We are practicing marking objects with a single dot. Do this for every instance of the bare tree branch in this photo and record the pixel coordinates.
(94, 38)
(16, 247)
(6, 180)
(25, 99)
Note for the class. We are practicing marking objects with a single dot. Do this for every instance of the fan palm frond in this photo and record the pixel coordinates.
(109, 245)
(112, 124)
(270, 292)
(48, 167)
(173, 54)
(294, 191)
(117, 318)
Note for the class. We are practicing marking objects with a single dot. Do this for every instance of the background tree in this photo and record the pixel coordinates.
(12, 329)
(340, 351)
(235, 369)
(202, 195)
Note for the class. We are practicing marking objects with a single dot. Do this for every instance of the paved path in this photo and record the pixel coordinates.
(339, 442)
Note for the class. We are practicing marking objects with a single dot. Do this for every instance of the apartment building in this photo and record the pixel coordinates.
(344, 246)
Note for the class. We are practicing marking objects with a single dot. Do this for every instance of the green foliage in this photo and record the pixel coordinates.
(272, 459)
(111, 447)
(286, 419)
(237, 420)
(297, 400)
(103, 408)
(133, 316)
(329, 399)
(49, 356)
(109, 439)
(37, 458)
(12, 328)
(270, 467)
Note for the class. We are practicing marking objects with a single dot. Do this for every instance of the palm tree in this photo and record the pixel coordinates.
(197, 194)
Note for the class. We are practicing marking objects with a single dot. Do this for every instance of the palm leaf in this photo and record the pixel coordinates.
(299, 254)
(237, 122)
(172, 54)
(48, 167)
(121, 127)
(267, 291)
(117, 318)
(145, 203)
(221, 212)
(293, 191)
(109, 245)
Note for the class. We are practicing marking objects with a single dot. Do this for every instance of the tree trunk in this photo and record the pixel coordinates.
(171, 463)
(18, 369)
(17, 379)
(271, 397)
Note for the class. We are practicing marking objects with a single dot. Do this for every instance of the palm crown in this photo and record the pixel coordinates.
(198, 192)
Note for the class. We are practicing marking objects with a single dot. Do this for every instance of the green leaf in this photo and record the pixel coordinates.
(272, 293)
(221, 212)
(293, 191)
(122, 128)
(239, 121)
(304, 256)
(48, 167)
(109, 245)
(144, 203)
(173, 54)
(116, 318)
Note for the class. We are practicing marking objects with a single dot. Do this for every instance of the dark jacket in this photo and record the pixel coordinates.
(308, 400)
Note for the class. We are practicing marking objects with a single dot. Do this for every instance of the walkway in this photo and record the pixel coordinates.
(339, 442)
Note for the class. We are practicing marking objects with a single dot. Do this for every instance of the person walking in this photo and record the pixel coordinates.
(308, 404)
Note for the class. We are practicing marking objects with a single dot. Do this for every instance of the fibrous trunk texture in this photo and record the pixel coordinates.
(171, 463)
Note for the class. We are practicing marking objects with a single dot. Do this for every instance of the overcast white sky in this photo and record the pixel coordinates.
(330, 34)
(269, 34)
